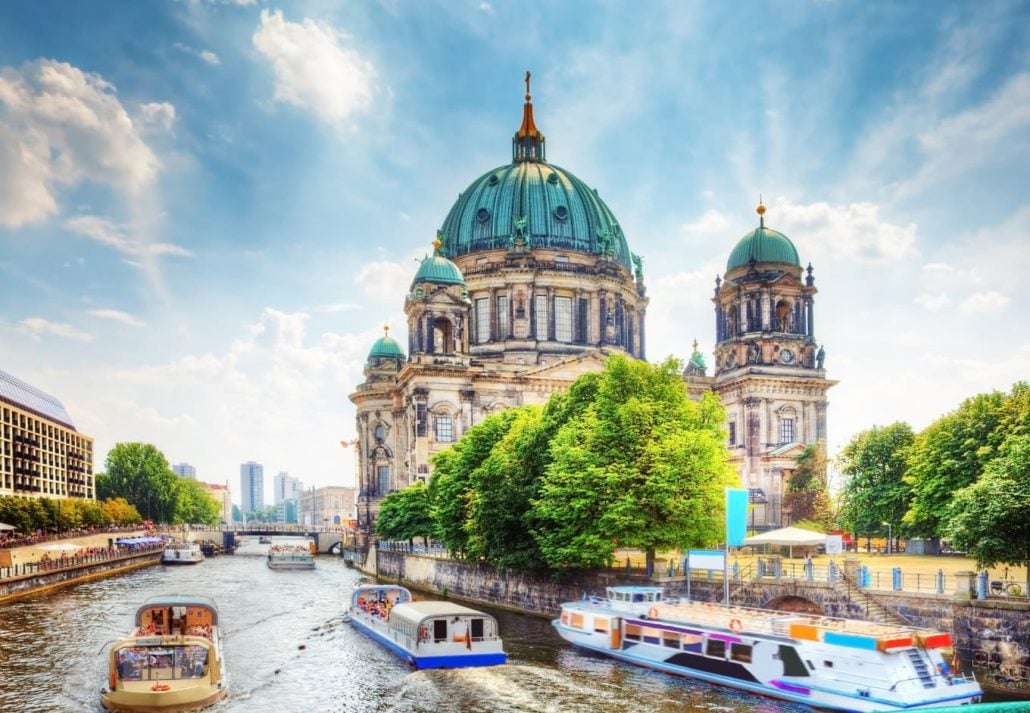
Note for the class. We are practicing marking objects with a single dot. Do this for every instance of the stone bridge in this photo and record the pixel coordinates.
(326, 541)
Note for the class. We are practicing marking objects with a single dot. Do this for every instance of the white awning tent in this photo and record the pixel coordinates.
(789, 536)
(5, 526)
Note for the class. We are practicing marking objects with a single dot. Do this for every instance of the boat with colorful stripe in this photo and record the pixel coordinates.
(828, 663)
(426, 634)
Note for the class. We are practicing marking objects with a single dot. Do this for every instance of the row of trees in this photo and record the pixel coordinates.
(140, 473)
(622, 459)
(966, 478)
(28, 515)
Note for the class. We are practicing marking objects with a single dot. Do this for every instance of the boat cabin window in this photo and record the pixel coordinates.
(151, 663)
(476, 629)
(828, 664)
(716, 648)
(670, 639)
(740, 652)
(792, 664)
(632, 632)
(577, 621)
(600, 625)
(439, 630)
(638, 596)
(692, 642)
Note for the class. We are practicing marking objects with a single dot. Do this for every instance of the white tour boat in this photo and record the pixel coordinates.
(172, 660)
(427, 634)
(181, 552)
(835, 664)
(290, 557)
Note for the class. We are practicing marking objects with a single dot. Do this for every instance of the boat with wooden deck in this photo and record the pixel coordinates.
(290, 557)
(828, 663)
(172, 660)
(181, 552)
(426, 634)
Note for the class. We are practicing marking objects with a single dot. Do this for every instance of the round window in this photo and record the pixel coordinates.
(561, 213)
(494, 180)
(552, 178)
(482, 215)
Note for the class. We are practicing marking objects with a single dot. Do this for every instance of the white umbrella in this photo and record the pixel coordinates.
(5, 526)
(62, 547)
(789, 536)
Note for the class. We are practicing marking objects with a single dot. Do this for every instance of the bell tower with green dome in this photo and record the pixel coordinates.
(531, 284)
(769, 368)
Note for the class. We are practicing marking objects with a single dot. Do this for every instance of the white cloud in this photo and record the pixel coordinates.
(385, 280)
(106, 233)
(712, 224)
(983, 303)
(933, 303)
(851, 232)
(205, 55)
(313, 69)
(158, 114)
(338, 307)
(117, 316)
(62, 126)
(37, 328)
(942, 271)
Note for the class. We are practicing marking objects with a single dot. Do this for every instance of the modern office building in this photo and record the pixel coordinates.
(185, 470)
(286, 487)
(252, 487)
(42, 454)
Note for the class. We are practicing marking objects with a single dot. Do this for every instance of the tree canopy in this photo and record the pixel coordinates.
(404, 515)
(992, 516)
(875, 491)
(806, 495)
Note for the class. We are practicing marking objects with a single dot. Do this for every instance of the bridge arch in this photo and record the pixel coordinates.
(794, 604)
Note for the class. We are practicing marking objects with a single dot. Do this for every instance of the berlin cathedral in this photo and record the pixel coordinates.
(531, 283)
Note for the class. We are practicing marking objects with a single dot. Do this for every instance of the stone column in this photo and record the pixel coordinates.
(964, 582)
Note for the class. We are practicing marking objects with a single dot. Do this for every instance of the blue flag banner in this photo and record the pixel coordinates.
(736, 516)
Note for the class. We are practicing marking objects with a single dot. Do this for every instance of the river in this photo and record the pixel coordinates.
(287, 650)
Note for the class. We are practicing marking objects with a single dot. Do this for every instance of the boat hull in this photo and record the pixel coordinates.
(174, 701)
(427, 659)
(291, 565)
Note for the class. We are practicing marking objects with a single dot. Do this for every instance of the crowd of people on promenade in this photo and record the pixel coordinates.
(13, 539)
(49, 562)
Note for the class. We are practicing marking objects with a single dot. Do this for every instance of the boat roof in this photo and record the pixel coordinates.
(417, 612)
(179, 600)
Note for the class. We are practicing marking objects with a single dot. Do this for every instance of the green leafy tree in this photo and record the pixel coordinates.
(405, 515)
(953, 452)
(806, 495)
(139, 473)
(194, 505)
(450, 488)
(992, 516)
(642, 467)
(875, 490)
(118, 511)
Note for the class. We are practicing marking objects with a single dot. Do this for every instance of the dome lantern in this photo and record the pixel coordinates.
(528, 142)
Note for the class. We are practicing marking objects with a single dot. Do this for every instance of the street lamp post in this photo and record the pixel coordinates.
(890, 538)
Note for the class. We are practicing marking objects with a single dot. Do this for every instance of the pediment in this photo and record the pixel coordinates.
(569, 368)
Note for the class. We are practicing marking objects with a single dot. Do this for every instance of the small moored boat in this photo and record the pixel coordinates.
(427, 634)
(827, 663)
(172, 660)
(182, 553)
(290, 557)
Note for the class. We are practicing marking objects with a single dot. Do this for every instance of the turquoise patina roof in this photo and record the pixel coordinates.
(438, 270)
(763, 245)
(538, 202)
(386, 347)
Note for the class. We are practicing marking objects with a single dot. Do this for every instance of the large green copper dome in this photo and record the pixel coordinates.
(530, 199)
(763, 245)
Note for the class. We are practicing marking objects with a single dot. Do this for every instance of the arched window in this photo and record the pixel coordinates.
(784, 316)
(788, 425)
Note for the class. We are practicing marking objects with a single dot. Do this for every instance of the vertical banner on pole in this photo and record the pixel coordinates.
(736, 516)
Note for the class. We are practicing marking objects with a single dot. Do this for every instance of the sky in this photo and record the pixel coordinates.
(209, 208)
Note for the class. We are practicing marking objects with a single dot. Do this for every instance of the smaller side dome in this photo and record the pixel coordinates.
(437, 269)
(386, 347)
(763, 245)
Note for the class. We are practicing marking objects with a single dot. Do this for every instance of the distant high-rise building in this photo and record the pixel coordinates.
(185, 470)
(252, 487)
(286, 487)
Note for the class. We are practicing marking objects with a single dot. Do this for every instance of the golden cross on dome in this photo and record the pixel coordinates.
(527, 85)
(386, 330)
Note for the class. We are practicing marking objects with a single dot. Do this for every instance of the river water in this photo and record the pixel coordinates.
(287, 650)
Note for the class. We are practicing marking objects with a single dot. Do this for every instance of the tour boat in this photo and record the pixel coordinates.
(182, 553)
(290, 557)
(426, 634)
(172, 660)
(834, 664)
